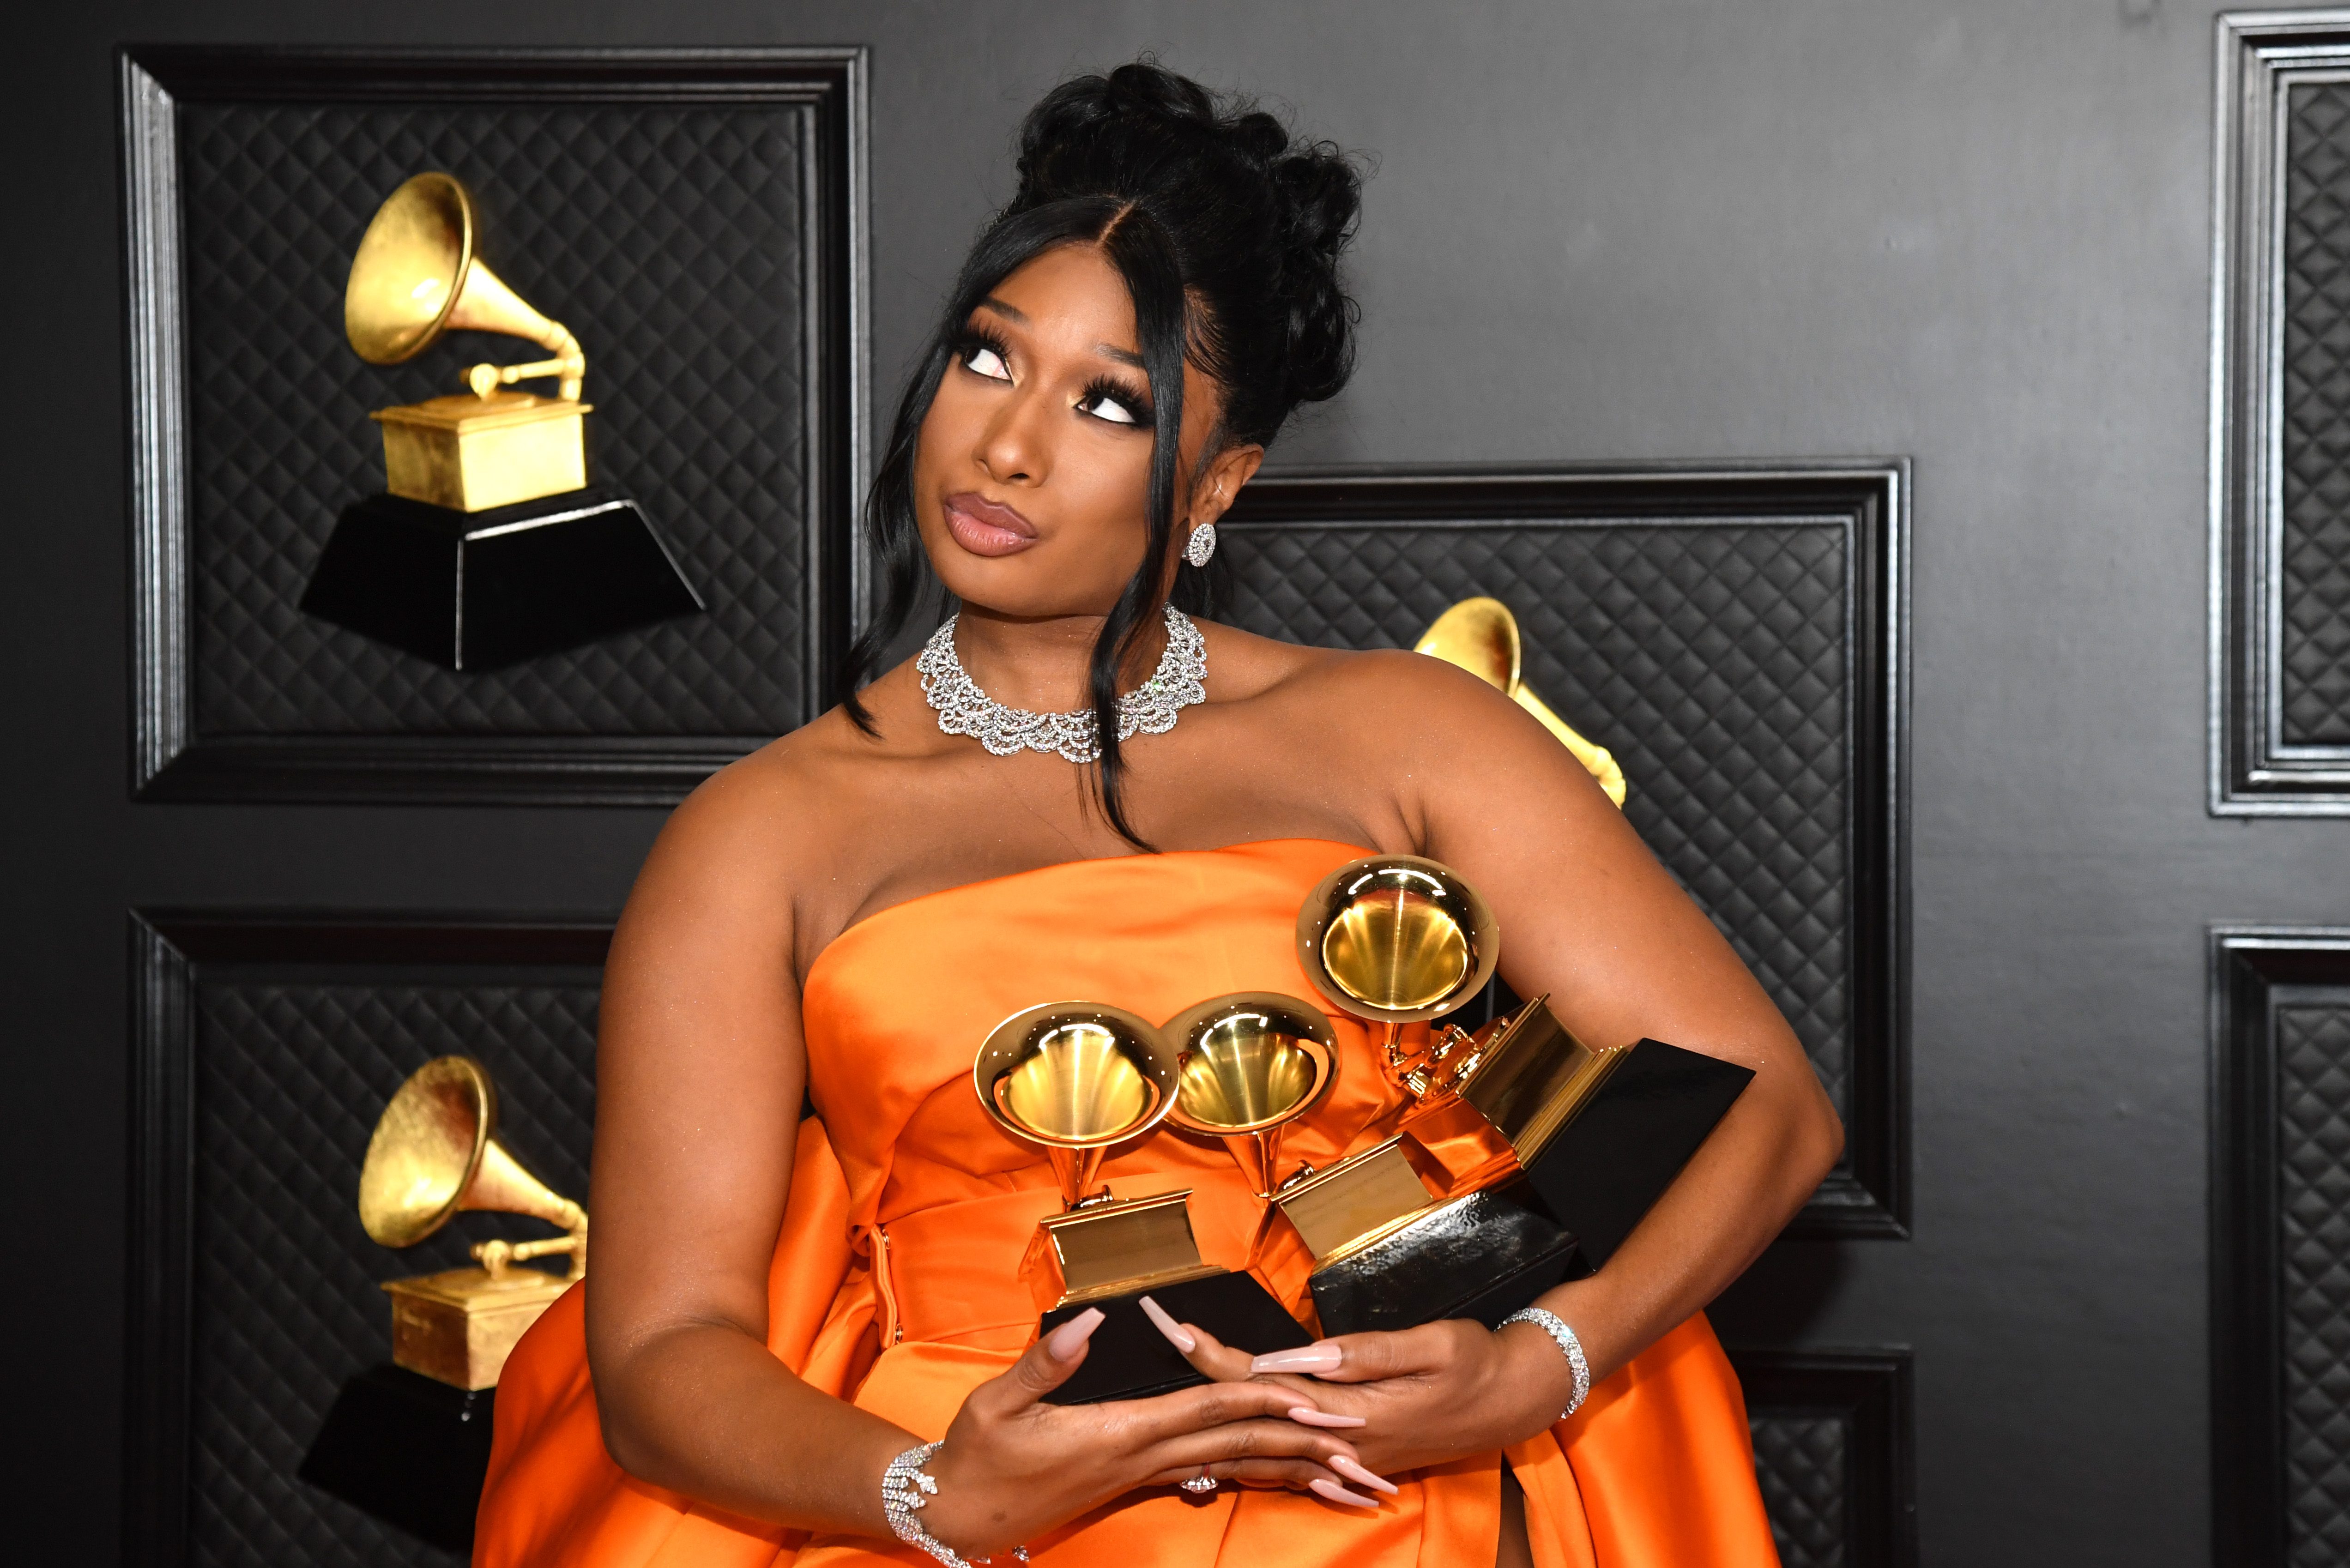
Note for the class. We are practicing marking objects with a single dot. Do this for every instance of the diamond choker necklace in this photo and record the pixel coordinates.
(1151, 709)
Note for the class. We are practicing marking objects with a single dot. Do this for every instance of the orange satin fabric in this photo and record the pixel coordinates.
(893, 1284)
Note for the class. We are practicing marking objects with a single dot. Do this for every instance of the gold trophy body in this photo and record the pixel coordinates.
(1252, 1062)
(434, 1154)
(1074, 1079)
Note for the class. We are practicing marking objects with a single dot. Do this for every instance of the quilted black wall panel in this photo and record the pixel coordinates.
(692, 217)
(1709, 659)
(289, 1076)
(2281, 1246)
(2314, 558)
(1833, 1444)
(666, 237)
(2280, 620)
(1735, 641)
(267, 1051)
(2312, 1045)
(1803, 1464)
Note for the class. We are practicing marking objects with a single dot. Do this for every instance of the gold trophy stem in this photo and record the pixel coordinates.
(1256, 1153)
(1075, 1170)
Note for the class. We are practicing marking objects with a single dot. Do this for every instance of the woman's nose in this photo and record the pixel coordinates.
(1013, 448)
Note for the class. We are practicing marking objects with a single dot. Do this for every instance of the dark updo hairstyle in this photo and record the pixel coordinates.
(1227, 234)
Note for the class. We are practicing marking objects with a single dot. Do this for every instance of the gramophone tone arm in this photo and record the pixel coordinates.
(498, 1256)
(570, 363)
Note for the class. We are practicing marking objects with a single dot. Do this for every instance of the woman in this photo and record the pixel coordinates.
(1076, 792)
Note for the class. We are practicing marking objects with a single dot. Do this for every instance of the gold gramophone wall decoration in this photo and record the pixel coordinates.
(415, 277)
(1076, 1079)
(435, 1154)
(1481, 636)
(490, 543)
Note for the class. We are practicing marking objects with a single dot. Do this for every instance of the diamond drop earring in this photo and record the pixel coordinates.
(1203, 545)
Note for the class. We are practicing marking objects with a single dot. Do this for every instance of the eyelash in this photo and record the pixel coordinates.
(1103, 390)
(1100, 390)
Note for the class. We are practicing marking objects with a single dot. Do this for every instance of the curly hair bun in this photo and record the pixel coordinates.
(1255, 218)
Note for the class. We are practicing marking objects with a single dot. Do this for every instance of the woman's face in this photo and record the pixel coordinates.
(1034, 463)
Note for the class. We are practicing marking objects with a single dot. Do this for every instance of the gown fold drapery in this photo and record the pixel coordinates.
(894, 1283)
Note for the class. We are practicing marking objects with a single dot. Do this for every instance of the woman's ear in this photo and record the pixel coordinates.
(1220, 485)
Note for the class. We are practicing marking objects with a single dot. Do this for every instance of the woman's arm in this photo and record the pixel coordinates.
(700, 1071)
(700, 1074)
(1588, 917)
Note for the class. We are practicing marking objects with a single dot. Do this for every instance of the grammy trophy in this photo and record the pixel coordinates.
(1075, 1078)
(490, 546)
(434, 1153)
(1522, 1146)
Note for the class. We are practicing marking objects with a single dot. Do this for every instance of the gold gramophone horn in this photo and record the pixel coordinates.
(1397, 940)
(1481, 636)
(435, 1152)
(1075, 1077)
(416, 276)
(1254, 1061)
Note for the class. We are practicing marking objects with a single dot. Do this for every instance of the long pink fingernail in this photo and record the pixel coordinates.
(1355, 1472)
(1321, 1356)
(1064, 1341)
(1338, 1493)
(1176, 1334)
(1306, 1416)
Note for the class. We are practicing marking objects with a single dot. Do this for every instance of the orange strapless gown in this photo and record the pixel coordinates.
(894, 1277)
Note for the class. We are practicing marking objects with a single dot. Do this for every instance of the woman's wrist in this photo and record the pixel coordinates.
(1526, 1388)
(922, 1497)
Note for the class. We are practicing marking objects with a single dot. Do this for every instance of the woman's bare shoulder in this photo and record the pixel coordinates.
(1395, 684)
(771, 833)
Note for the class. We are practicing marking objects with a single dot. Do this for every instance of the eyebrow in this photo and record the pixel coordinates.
(1012, 313)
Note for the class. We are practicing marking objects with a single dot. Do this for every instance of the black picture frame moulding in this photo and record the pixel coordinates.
(170, 951)
(2256, 765)
(171, 759)
(2256, 970)
(1870, 1392)
(1869, 1193)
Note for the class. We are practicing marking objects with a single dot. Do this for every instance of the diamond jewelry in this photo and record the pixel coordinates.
(1200, 1485)
(906, 1490)
(1150, 709)
(1202, 544)
(1554, 1326)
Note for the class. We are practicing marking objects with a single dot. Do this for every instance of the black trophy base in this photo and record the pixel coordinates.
(1604, 1169)
(1128, 1358)
(473, 590)
(1480, 1257)
(409, 1450)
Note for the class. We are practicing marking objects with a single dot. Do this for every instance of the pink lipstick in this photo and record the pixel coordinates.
(987, 527)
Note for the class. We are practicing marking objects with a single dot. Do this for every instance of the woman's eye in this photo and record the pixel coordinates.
(987, 362)
(1103, 405)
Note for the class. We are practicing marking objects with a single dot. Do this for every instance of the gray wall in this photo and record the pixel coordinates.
(1977, 236)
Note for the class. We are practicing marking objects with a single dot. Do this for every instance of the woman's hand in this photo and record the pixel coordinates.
(1425, 1396)
(1014, 1466)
